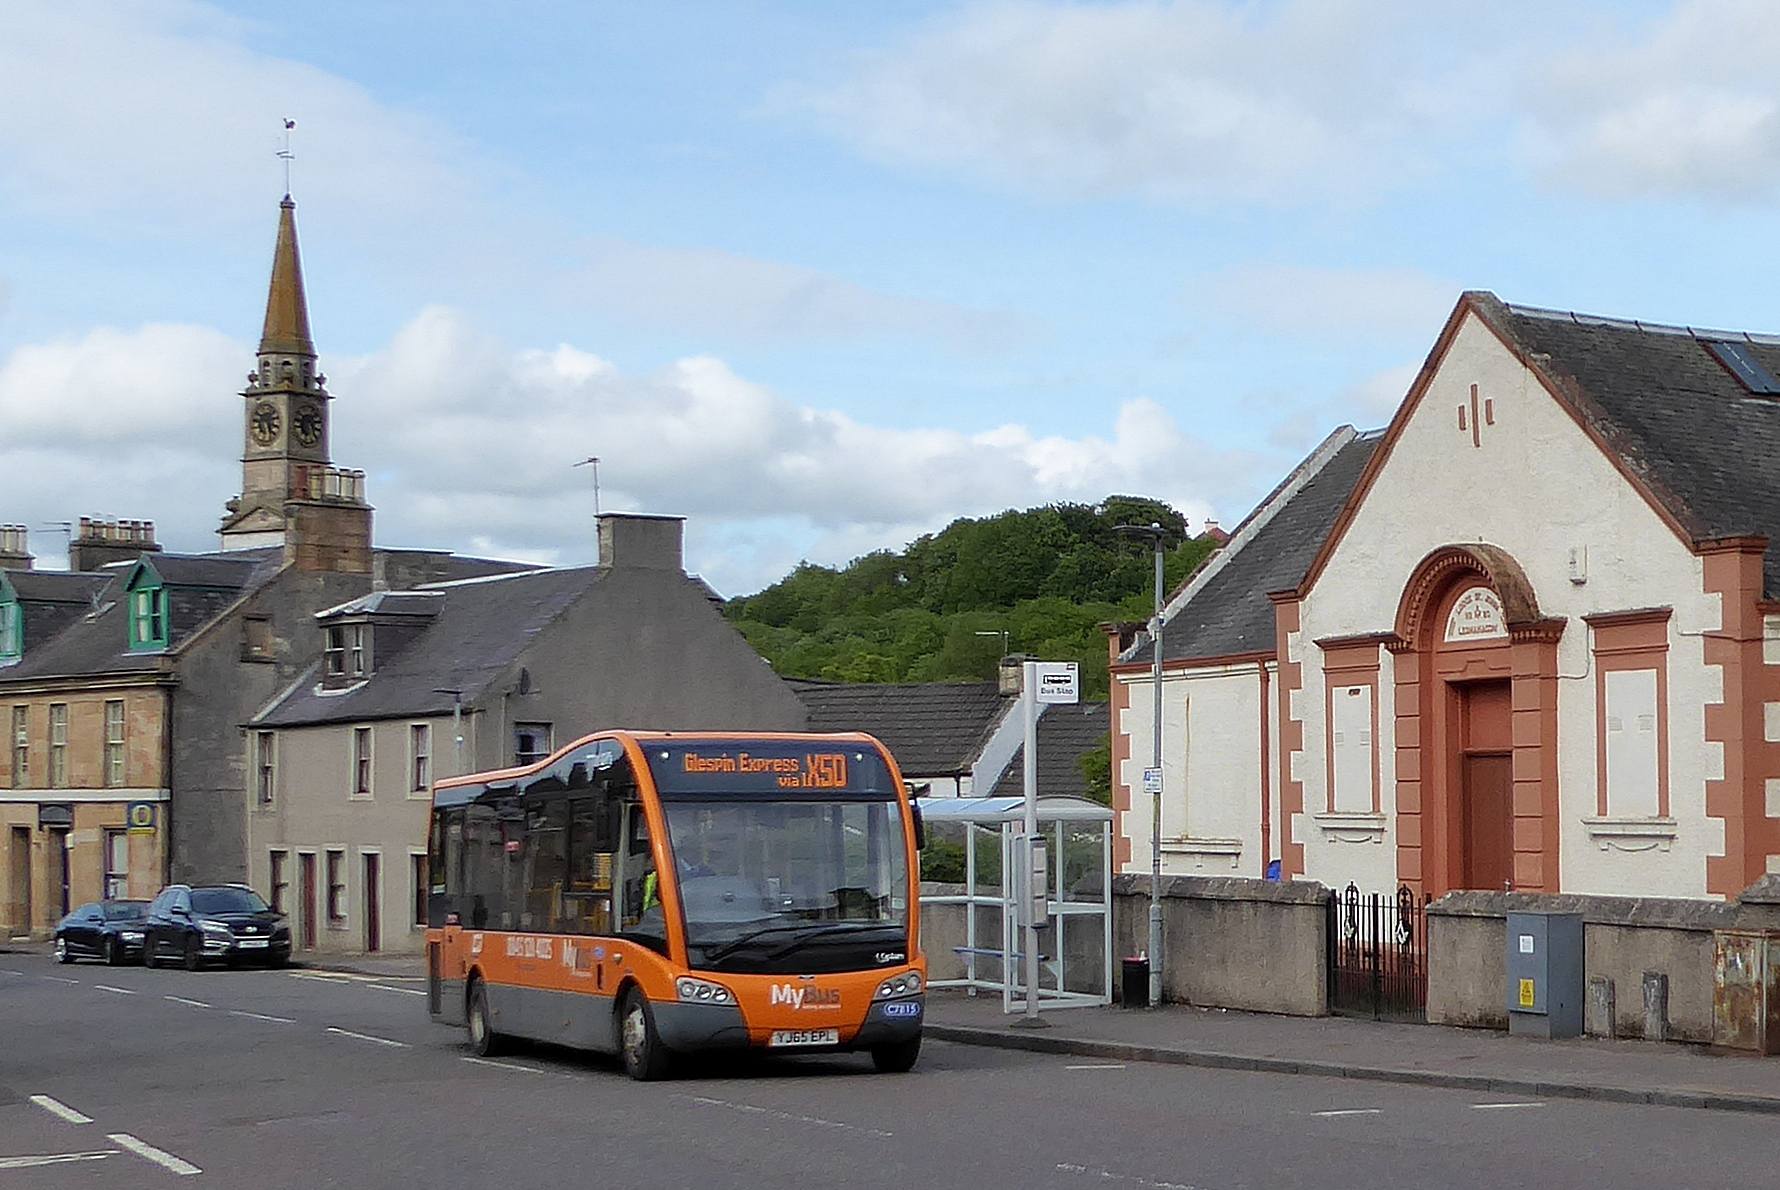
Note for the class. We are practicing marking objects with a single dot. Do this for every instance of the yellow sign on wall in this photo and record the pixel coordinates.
(142, 818)
(1526, 993)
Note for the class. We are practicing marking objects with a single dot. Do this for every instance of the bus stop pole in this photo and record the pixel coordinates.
(1156, 800)
(1029, 851)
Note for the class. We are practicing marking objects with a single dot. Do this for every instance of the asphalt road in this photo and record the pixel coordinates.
(127, 1077)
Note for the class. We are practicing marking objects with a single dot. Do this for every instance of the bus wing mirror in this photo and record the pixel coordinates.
(920, 824)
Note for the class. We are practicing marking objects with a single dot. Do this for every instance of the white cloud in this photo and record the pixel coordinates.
(1303, 301)
(713, 292)
(164, 109)
(1195, 100)
(166, 114)
(1686, 106)
(470, 444)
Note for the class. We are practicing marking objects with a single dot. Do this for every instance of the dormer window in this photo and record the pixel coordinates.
(12, 630)
(148, 617)
(348, 651)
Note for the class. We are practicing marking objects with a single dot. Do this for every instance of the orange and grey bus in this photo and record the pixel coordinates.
(651, 894)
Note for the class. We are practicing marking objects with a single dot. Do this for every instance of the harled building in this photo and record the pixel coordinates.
(1526, 637)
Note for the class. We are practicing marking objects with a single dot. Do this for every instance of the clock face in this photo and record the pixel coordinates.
(264, 423)
(307, 425)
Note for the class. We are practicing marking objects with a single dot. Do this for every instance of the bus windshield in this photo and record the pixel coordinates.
(763, 883)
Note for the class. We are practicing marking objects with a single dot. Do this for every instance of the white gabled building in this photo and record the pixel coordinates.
(1520, 638)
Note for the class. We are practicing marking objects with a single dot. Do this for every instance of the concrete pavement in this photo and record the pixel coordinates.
(1417, 1055)
(312, 1079)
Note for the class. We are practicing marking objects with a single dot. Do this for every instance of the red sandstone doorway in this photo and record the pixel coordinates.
(1485, 786)
(1476, 726)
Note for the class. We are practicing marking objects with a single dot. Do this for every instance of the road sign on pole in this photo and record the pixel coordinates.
(1152, 781)
(1058, 682)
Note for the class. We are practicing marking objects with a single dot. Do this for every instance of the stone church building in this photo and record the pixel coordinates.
(1525, 637)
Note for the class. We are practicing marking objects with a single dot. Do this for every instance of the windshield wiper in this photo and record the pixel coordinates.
(735, 944)
(845, 927)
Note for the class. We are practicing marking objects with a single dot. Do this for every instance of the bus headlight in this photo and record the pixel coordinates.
(701, 991)
(906, 984)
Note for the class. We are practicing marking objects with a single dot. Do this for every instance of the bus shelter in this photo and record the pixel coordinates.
(980, 939)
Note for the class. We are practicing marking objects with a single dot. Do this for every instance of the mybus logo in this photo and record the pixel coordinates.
(805, 998)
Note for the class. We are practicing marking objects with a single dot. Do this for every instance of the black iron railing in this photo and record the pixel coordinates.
(1378, 955)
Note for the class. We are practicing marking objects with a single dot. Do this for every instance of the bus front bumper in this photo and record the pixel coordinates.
(715, 1026)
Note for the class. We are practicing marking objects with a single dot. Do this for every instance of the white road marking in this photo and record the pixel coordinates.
(384, 987)
(260, 1016)
(506, 1065)
(335, 976)
(1098, 1066)
(1351, 1111)
(62, 979)
(10, 971)
(160, 1157)
(366, 1037)
(1107, 1175)
(55, 1159)
(1501, 1106)
(754, 1109)
(56, 1107)
(105, 987)
(183, 1000)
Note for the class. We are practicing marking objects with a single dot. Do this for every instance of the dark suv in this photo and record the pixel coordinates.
(195, 924)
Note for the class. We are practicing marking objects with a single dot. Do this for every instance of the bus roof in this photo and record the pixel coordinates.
(642, 739)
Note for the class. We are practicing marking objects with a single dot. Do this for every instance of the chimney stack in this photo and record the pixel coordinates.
(15, 551)
(99, 542)
(1216, 534)
(1012, 678)
(641, 541)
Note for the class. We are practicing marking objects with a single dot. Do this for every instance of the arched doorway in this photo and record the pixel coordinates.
(1476, 698)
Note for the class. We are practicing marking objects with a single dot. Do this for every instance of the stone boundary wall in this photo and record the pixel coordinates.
(1251, 945)
(1623, 938)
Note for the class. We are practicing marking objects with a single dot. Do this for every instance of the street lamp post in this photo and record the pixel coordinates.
(1155, 534)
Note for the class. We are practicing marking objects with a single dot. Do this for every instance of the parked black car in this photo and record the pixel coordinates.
(195, 924)
(109, 930)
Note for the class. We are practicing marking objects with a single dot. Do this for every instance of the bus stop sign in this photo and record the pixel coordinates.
(1058, 682)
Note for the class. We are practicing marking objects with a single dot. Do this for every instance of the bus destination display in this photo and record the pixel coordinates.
(720, 767)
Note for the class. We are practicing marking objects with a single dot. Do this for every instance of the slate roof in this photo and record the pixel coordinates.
(1065, 733)
(199, 587)
(932, 728)
(1707, 447)
(1231, 614)
(482, 626)
(55, 586)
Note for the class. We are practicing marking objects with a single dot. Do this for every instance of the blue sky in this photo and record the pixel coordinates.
(823, 277)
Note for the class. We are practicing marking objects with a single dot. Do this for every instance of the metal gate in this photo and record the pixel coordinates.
(1378, 955)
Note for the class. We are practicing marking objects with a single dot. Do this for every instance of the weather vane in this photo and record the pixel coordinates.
(286, 155)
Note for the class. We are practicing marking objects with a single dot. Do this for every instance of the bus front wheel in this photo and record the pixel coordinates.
(645, 1057)
(483, 1039)
(898, 1058)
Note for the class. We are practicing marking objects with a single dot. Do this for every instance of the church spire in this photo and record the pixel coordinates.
(287, 308)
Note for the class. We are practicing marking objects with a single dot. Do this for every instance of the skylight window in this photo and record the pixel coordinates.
(1740, 362)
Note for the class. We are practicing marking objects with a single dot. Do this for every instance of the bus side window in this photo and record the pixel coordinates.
(445, 859)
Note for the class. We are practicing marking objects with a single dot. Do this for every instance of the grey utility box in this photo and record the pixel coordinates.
(1547, 986)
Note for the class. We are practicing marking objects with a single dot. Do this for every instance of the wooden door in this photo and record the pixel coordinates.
(373, 902)
(306, 898)
(20, 858)
(58, 841)
(1487, 792)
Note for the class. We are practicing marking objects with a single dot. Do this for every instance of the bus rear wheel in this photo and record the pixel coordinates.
(898, 1058)
(646, 1059)
(484, 1041)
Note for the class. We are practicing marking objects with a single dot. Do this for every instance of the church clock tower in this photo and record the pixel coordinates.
(291, 495)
